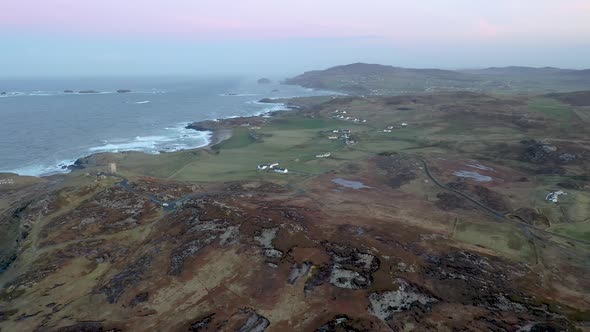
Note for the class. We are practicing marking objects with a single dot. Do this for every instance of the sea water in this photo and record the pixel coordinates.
(43, 128)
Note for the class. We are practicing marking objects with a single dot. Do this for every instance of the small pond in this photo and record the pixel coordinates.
(350, 183)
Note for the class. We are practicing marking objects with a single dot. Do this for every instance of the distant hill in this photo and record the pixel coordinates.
(374, 79)
(518, 70)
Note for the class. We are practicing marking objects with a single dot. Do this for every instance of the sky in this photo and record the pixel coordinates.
(285, 37)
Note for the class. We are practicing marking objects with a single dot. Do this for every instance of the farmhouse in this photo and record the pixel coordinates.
(263, 167)
(553, 196)
(281, 170)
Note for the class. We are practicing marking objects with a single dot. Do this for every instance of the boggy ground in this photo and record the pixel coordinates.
(448, 229)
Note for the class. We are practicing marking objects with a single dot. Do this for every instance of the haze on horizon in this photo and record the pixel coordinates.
(267, 37)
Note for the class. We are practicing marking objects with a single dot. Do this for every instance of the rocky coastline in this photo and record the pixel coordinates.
(220, 129)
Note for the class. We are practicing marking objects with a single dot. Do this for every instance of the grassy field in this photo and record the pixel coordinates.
(553, 109)
(291, 141)
(579, 230)
(500, 237)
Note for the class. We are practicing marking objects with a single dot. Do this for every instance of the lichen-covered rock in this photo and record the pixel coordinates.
(385, 304)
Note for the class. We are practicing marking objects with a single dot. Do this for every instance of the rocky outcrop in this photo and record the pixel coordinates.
(124, 91)
(128, 277)
(385, 305)
(264, 81)
(87, 91)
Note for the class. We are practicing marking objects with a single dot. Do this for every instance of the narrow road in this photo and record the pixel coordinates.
(497, 214)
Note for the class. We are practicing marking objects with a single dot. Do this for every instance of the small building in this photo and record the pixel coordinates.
(364, 121)
(281, 170)
(554, 196)
(112, 168)
(325, 155)
(263, 167)
(332, 137)
(386, 130)
(335, 131)
(404, 124)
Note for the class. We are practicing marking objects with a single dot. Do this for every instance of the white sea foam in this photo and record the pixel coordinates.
(175, 139)
(42, 169)
(142, 102)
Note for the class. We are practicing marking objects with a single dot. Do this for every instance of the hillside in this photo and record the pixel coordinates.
(374, 79)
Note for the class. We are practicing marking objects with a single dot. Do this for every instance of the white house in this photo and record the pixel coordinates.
(263, 167)
(553, 196)
(325, 155)
(281, 170)
(404, 124)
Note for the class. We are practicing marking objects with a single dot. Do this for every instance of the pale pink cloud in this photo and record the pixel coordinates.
(486, 29)
(395, 20)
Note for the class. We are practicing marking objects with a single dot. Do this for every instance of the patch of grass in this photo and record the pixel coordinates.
(552, 109)
(303, 123)
(240, 138)
(503, 238)
(579, 230)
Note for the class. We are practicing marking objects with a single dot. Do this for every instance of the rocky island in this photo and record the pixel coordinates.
(264, 81)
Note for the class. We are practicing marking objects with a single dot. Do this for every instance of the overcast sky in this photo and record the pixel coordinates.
(283, 37)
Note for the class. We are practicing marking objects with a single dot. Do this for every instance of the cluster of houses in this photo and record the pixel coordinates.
(6, 181)
(553, 196)
(342, 116)
(272, 167)
(389, 129)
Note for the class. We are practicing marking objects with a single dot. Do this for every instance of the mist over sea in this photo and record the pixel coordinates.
(42, 128)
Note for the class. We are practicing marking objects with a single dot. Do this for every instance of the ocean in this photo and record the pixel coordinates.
(43, 128)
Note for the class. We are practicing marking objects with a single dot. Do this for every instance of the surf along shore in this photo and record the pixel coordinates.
(220, 130)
